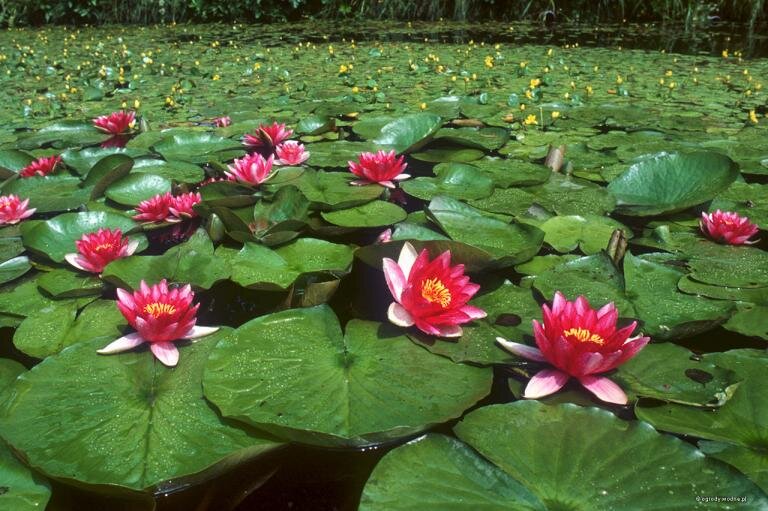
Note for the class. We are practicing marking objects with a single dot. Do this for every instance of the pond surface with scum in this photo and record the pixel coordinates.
(476, 109)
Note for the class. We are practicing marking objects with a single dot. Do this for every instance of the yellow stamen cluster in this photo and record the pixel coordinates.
(157, 309)
(583, 335)
(433, 290)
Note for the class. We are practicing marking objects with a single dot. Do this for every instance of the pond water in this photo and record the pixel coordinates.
(609, 93)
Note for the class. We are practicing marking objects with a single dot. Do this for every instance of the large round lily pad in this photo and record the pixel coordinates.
(507, 243)
(672, 182)
(741, 422)
(124, 419)
(373, 214)
(294, 373)
(409, 132)
(56, 237)
(261, 267)
(439, 473)
(586, 458)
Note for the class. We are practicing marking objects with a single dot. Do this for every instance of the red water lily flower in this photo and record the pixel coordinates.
(251, 169)
(96, 250)
(291, 153)
(116, 122)
(155, 209)
(579, 342)
(222, 122)
(432, 295)
(40, 167)
(160, 316)
(378, 168)
(13, 210)
(728, 227)
(181, 206)
(268, 136)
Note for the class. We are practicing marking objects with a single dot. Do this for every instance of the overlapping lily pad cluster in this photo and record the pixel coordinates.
(332, 263)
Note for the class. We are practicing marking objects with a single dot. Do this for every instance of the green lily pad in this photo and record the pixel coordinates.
(69, 284)
(178, 171)
(749, 319)
(259, 267)
(64, 134)
(82, 160)
(21, 297)
(56, 237)
(672, 373)
(510, 310)
(338, 154)
(270, 370)
(198, 147)
(746, 199)
(590, 233)
(439, 473)
(51, 329)
(673, 182)
(666, 313)
(123, 414)
(134, 188)
(742, 421)
(14, 268)
(754, 464)
(509, 201)
(441, 154)
(457, 181)
(106, 171)
(12, 161)
(732, 266)
(409, 132)
(331, 190)
(488, 139)
(24, 490)
(51, 193)
(192, 262)
(372, 214)
(593, 276)
(509, 172)
(604, 453)
(507, 243)
(573, 196)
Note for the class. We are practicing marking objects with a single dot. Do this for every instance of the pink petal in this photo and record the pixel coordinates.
(165, 352)
(473, 312)
(604, 389)
(388, 184)
(399, 316)
(544, 383)
(74, 260)
(131, 247)
(406, 259)
(521, 350)
(449, 330)
(124, 343)
(400, 177)
(200, 331)
(393, 274)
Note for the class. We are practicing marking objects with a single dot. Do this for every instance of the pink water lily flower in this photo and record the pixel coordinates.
(181, 206)
(728, 227)
(291, 153)
(40, 167)
(160, 316)
(251, 169)
(378, 168)
(432, 295)
(222, 122)
(13, 210)
(579, 342)
(116, 122)
(155, 209)
(96, 250)
(268, 136)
